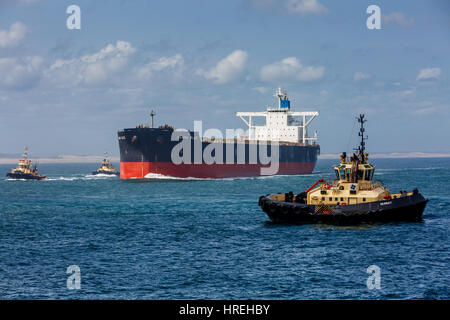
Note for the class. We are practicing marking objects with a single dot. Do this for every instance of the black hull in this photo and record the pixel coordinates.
(24, 176)
(149, 150)
(408, 208)
(155, 145)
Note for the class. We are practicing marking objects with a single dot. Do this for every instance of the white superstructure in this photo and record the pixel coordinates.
(280, 123)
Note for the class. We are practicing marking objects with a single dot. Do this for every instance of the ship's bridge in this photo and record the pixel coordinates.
(344, 172)
(354, 171)
(281, 124)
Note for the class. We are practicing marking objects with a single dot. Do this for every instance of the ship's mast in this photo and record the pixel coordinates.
(25, 153)
(281, 96)
(362, 145)
(152, 114)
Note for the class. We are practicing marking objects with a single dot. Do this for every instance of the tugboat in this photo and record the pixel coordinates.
(352, 198)
(106, 168)
(24, 170)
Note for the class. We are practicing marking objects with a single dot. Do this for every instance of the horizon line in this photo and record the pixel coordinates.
(97, 158)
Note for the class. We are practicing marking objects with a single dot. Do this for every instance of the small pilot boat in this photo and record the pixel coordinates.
(24, 170)
(352, 198)
(106, 168)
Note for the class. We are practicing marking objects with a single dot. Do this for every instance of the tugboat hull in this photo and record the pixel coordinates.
(406, 208)
(24, 176)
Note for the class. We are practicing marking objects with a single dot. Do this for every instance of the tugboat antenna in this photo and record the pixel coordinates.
(362, 146)
(152, 114)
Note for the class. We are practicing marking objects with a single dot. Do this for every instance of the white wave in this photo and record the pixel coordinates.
(79, 177)
(60, 179)
(158, 176)
(100, 175)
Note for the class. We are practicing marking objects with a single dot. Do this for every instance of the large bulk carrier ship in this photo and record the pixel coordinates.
(146, 151)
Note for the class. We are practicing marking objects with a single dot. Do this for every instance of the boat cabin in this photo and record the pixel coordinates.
(353, 183)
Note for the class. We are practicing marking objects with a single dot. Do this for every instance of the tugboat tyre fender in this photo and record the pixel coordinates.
(260, 200)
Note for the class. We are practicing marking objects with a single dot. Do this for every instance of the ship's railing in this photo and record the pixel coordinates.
(281, 143)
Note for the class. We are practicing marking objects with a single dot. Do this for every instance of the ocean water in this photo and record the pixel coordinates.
(208, 239)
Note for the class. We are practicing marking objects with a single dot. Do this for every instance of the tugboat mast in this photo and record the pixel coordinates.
(362, 145)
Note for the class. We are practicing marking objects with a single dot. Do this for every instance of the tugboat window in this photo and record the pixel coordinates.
(368, 175)
(360, 174)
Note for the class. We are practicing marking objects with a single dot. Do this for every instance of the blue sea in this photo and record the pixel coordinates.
(208, 239)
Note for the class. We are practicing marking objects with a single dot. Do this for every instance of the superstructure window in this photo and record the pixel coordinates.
(347, 174)
(369, 174)
(360, 174)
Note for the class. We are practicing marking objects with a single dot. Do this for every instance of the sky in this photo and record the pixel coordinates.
(68, 91)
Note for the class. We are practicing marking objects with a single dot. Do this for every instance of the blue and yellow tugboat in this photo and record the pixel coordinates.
(351, 199)
(106, 168)
(24, 170)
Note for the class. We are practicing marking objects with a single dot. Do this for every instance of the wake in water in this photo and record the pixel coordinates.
(161, 177)
(71, 178)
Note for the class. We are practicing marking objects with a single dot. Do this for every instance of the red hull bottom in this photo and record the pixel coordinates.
(138, 170)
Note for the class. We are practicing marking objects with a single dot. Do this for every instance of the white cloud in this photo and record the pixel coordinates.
(261, 89)
(20, 73)
(175, 62)
(429, 73)
(305, 7)
(398, 18)
(92, 69)
(291, 69)
(16, 33)
(226, 69)
(359, 76)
